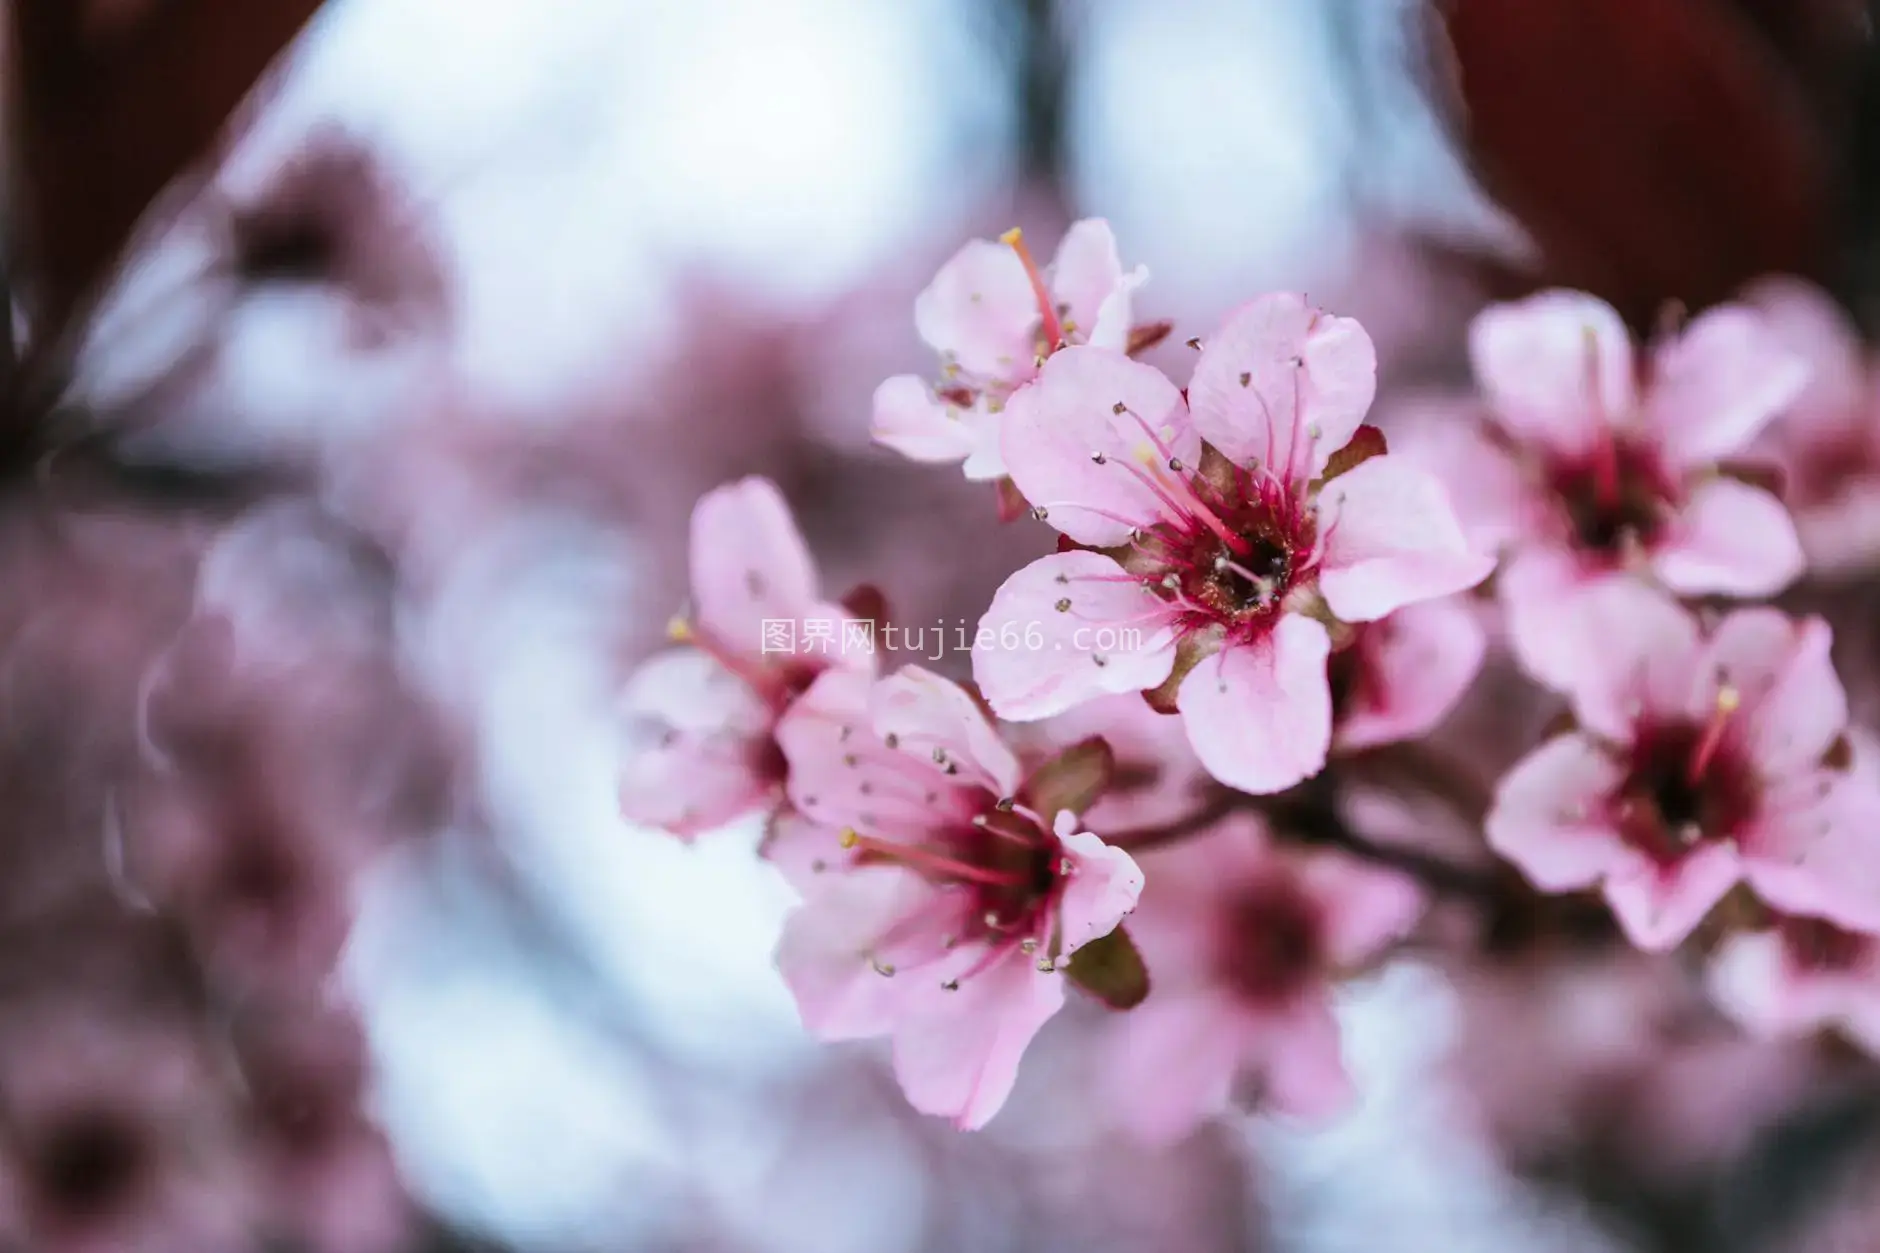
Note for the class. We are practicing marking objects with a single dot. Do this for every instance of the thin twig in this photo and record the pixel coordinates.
(1308, 814)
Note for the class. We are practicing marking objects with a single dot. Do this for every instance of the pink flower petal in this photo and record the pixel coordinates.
(960, 1060)
(1276, 370)
(1731, 539)
(1556, 367)
(1391, 540)
(1658, 907)
(1427, 660)
(1260, 715)
(1104, 886)
(1087, 278)
(1172, 1064)
(1366, 909)
(914, 422)
(1032, 659)
(1493, 501)
(1751, 981)
(1073, 454)
(828, 957)
(980, 313)
(694, 737)
(749, 564)
(1177, 923)
(1793, 705)
(986, 462)
(1816, 849)
(1804, 320)
(843, 774)
(1541, 589)
(805, 852)
(1841, 536)
(1718, 384)
(1548, 818)
(926, 715)
(1639, 651)
(1756, 980)
(1305, 1064)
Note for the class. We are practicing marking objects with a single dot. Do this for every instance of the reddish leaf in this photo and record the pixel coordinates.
(1148, 335)
(1366, 442)
(1012, 502)
(110, 103)
(1767, 476)
(868, 603)
(1191, 652)
(1111, 969)
(1655, 149)
(1072, 780)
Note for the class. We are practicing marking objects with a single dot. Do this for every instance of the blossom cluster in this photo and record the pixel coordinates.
(1260, 592)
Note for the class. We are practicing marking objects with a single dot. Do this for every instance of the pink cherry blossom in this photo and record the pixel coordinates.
(1244, 940)
(1700, 762)
(1400, 676)
(700, 719)
(992, 317)
(1827, 443)
(943, 894)
(1219, 542)
(1590, 464)
(1800, 976)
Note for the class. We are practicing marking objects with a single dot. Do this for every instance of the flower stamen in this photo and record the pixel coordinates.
(916, 857)
(1053, 329)
(1729, 700)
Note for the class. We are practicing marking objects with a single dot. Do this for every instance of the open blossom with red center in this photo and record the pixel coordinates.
(944, 896)
(1218, 540)
(1594, 463)
(1245, 939)
(1700, 762)
(993, 316)
(1398, 677)
(1800, 976)
(1827, 443)
(700, 719)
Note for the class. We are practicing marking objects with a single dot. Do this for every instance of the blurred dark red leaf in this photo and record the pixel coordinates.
(110, 100)
(1654, 149)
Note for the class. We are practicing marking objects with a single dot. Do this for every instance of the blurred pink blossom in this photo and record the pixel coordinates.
(1590, 465)
(1244, 941)
(1800, 976)
(1827, 443)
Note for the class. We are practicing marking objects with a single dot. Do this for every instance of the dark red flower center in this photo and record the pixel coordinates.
(89, 1163)
(1272, 942)
(1814, 944)
(1616, 496)
(1233, 544)
(1005, 861)
(1687, 784)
